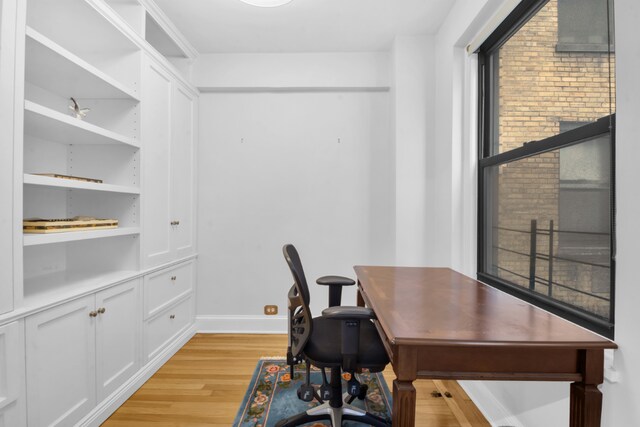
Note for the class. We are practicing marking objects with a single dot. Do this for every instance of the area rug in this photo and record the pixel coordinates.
(271, 395)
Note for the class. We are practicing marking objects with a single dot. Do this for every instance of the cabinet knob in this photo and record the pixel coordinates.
(173, 316)
(101, 310)
(175, 222)
(173, 278)
(93, 313)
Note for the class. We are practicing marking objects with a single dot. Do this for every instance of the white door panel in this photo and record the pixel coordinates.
(61, 382)
(117, 336)
(156, 143)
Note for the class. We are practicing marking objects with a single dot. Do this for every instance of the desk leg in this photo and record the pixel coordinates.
(585, 404)
(404, 404)
(360, 300)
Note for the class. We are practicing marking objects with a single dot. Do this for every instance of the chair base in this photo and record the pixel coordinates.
(336, 410)
(335, 415)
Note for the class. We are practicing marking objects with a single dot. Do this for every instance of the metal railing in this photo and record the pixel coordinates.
(534, 256)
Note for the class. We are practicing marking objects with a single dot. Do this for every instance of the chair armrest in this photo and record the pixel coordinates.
(335, 283)
(335, 280)
(348, 313)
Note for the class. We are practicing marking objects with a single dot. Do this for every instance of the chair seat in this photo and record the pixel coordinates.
(323, 347)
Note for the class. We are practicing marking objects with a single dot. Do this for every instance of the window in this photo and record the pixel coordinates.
(546, 167)
(584, 26)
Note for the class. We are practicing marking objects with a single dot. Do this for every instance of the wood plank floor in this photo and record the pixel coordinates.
(205, 381)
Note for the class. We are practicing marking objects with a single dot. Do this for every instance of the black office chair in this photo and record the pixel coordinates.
(342, 339)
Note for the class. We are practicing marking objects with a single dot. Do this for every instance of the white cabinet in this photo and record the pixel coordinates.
(61, 381)
(80, 352)
(168, 306)
(168, 132)
(118, 328)
(156, 134)
(163, 328)
(183, 170)
(83, 331)
(164, 287)
(12, 386)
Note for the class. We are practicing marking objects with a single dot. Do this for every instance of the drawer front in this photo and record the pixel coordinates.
(162, 328)
(164, 287)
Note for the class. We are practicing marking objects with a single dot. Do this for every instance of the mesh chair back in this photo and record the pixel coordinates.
(300, 320)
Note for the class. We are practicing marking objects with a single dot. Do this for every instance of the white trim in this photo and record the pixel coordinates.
(493, 23)
(489, 405)
(232, 324)
(108, 406)
(292, 89)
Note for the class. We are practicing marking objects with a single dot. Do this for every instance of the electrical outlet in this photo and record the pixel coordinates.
(270, 310)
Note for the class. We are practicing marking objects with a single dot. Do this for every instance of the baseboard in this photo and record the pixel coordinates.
(241, 324)
(489, 405)
(107, 407)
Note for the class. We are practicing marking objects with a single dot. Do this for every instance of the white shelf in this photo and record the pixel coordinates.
(53, 287)
(50, 125)
(57, 70)
(74, 236)
(47, 181)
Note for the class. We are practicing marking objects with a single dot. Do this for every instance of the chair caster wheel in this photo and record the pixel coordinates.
(306, 393)
(363, 392)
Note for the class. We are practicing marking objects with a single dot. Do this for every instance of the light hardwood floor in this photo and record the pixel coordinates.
(204, 383)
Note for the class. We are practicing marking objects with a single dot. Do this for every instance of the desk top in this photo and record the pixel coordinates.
(438, 306)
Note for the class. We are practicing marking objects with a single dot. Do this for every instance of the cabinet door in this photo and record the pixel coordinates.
(118, 327)
(61, 375)
(182, 171)
(12, 369)
(156, 172)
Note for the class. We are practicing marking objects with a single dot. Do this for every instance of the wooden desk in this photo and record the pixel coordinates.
(439, 324)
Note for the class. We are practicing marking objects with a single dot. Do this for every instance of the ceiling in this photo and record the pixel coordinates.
(231, 26)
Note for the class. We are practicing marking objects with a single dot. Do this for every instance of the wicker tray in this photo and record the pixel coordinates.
(44, 226)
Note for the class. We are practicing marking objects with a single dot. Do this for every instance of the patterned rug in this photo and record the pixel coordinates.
(271, 395)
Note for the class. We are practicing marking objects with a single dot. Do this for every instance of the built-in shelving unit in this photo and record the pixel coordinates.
(74, 50)
(57, 58)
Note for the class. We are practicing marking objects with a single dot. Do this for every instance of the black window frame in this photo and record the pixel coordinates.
(486, 114)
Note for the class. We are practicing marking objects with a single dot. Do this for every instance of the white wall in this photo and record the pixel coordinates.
(621, 400)
(292, 70)
(313, 167)
(524, 403)
(412, 71)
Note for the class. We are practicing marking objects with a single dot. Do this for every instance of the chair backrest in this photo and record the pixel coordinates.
(300, 319)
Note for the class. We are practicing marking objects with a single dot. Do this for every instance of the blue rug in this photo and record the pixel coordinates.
(271, 395)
